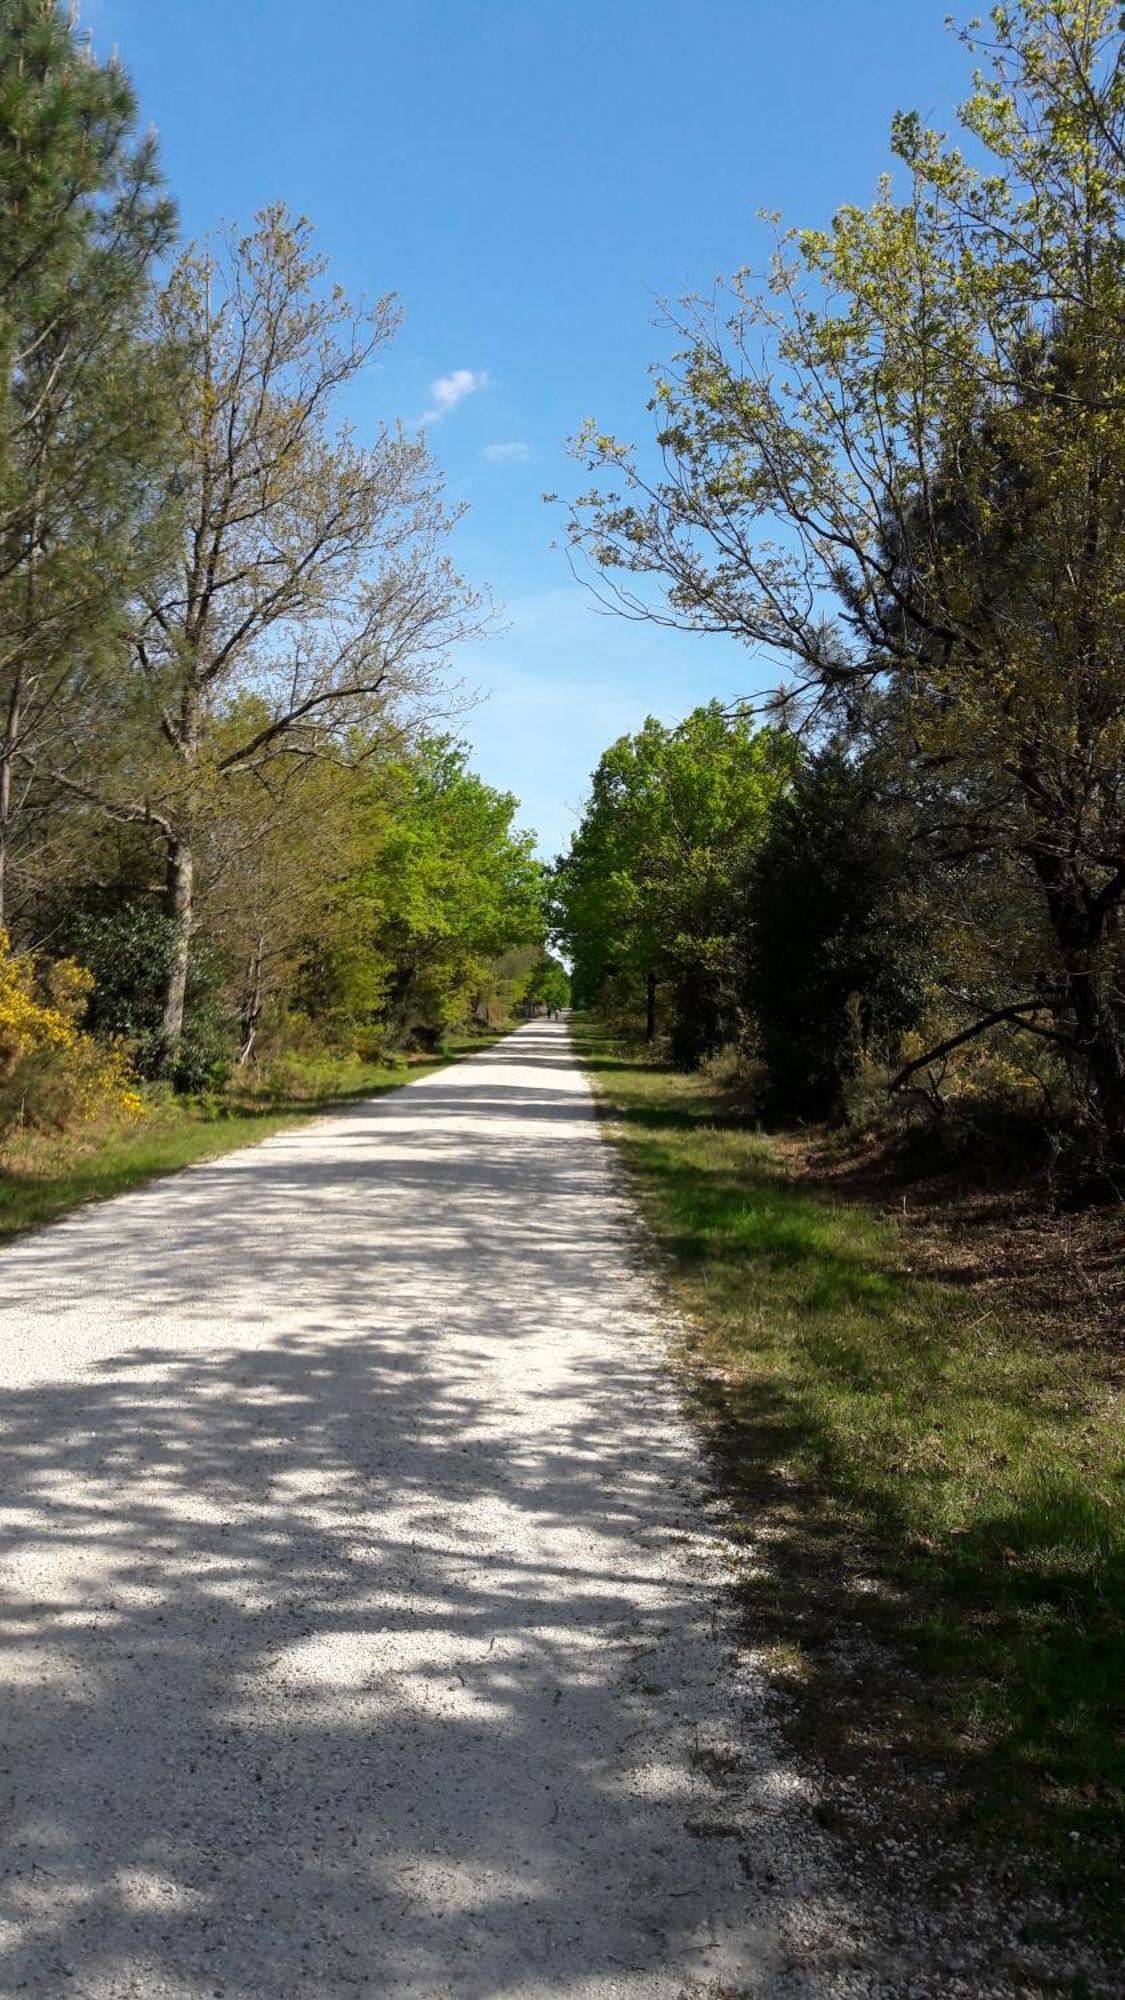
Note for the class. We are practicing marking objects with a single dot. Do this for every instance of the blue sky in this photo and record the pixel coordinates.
(532, 177)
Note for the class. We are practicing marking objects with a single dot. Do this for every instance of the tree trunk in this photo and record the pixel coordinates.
(178, 886)
(8, 749)
(12, 725)
(650, 1006)
(7, 752)
(250, 1011)
(1100, 1033)
(1079, 927)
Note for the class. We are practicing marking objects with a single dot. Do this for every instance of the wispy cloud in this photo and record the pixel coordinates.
(449, 390)
(515, 452)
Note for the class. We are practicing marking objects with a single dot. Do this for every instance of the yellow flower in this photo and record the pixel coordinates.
(51, 1071)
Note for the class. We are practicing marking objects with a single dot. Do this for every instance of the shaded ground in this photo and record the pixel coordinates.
(926, 1485)
(359, 1632)
(999, 1233)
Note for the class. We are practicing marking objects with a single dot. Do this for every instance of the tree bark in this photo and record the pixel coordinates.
(650, 1006)
(14, 720)
(178, 887)
(7, 759)
(1079, 927)
(251, 1009)
(1100, 1035)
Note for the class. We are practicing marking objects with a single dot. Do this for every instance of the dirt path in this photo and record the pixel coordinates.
(363, 1625)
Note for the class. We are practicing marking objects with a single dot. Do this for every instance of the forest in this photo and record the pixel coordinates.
(844, 955)
(892, 463)
(241, 847)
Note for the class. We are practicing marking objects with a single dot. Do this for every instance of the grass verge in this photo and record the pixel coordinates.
(930, 1496)
(43, 1175)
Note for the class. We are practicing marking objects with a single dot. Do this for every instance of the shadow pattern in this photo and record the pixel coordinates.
(361, 1628)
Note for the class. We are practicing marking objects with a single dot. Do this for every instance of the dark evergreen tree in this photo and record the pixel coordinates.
(84, 397)
(833, 966)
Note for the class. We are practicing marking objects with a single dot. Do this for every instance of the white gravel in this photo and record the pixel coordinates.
(364, 1626)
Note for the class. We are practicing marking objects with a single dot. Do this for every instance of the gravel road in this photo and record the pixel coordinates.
(364, 1624)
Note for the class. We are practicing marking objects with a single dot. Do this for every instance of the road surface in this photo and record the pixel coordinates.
(362, 1626)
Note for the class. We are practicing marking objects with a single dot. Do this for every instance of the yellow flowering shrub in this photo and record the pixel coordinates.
(52, 1073)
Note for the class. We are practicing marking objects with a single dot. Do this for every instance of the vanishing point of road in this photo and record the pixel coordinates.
(360, 1626)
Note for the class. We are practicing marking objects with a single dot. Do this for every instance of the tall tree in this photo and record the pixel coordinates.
(84, 412)
(833, 963)
(646, 896)
(450, 884)
(916, 418)
(310, 573)
(270, 862)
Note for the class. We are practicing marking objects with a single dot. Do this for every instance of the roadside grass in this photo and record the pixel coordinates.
(43, 1175)
(931, 1497)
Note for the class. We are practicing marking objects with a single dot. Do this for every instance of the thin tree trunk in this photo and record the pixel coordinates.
(650, 1006)
(14, 720)
(178, 888)
(7, 758)
(250, 1011)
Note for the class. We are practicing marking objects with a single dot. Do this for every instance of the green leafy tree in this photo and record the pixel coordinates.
(444, 886)
(270, 859)
(898, 457)
(309, 592)
(84, 404)
(549, 984)
(645, 898)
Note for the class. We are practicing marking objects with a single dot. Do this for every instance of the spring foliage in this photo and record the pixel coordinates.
(225, 618)
(52, 1073)
(895, 459)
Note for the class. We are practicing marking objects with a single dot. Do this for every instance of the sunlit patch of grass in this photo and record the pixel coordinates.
(785, 1661)
(900, 1467)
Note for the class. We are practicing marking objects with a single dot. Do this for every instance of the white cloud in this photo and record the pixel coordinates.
(513, 453)
(449, 390)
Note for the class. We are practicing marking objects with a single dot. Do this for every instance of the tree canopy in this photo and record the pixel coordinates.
(895, 460)
(644, 895)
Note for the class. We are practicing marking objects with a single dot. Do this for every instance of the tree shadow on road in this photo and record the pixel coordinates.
(325, 1666)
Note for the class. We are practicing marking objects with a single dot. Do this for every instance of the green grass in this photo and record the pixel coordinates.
(43, 1176)
(940, 1484)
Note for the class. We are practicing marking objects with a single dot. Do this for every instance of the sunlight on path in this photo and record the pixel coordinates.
(359, 1603)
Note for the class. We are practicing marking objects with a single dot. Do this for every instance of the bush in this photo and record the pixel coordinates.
(203, 1055)
(371, 1045)
(125, 941)
(126, 946)
(701, 1012)
(52, 1073)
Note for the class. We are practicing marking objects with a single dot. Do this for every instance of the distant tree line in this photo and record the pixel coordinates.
(727, 889)
(226, 789)
(894, 462)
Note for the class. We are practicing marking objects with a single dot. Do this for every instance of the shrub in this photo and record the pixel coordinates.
(126, 942)
(52, 1073)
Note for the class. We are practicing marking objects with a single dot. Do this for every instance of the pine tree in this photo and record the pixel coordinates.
(82, 413)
